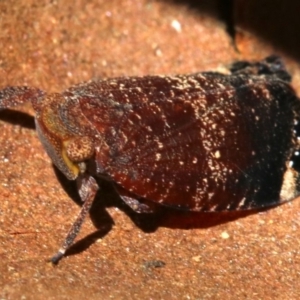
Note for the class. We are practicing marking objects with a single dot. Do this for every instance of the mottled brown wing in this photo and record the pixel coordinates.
(204, 142)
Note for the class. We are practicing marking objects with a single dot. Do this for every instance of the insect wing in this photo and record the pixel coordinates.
(203, 142)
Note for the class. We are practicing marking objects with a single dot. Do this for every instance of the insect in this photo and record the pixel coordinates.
(200, 142)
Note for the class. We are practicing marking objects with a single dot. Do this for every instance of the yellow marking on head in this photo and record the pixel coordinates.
(71, 166)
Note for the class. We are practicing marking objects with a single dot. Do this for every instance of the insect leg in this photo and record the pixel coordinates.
(87, 187)
(137, 206)
(17, 95)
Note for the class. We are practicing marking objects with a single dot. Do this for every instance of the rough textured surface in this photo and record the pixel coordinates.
(53, 45)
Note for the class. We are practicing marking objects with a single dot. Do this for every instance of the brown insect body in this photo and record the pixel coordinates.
(201, 142)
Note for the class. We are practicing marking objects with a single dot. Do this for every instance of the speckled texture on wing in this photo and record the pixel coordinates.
(205, 141)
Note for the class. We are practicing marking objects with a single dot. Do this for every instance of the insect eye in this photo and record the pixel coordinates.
(79, 149)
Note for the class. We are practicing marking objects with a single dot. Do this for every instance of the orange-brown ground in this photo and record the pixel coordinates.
(54, 44)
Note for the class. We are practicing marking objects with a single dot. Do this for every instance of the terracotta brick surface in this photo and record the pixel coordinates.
(54, 44)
